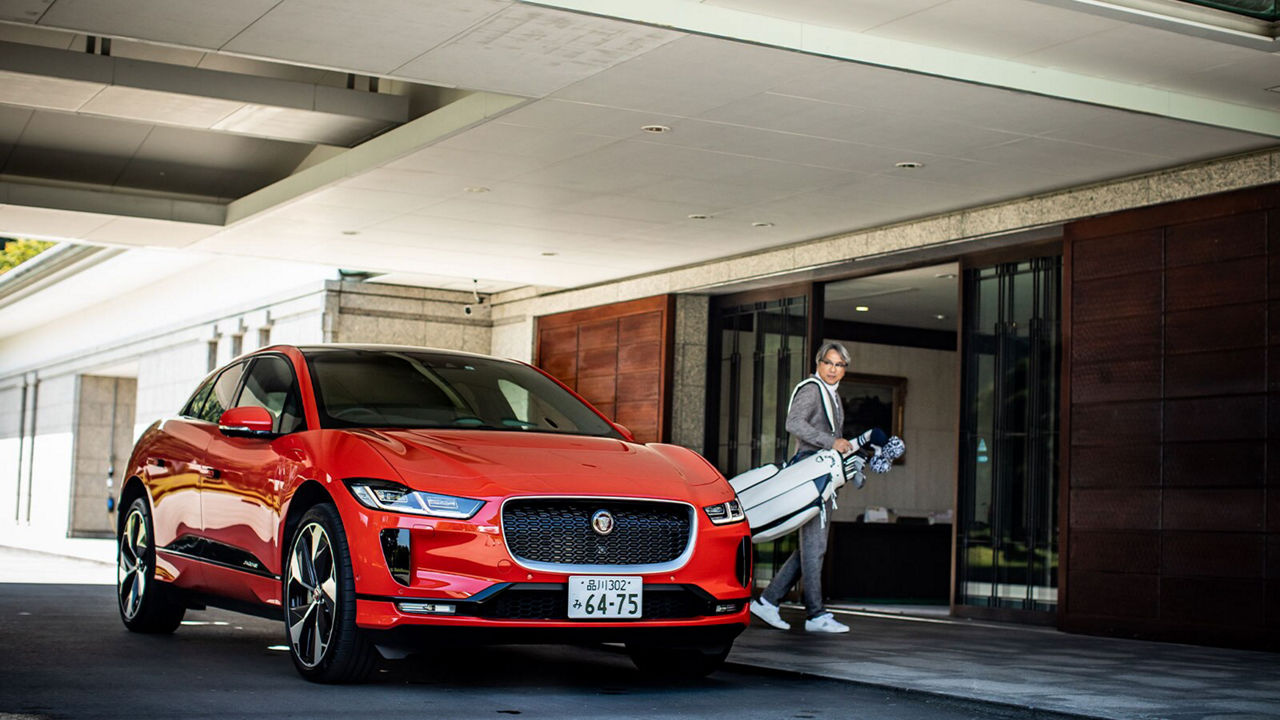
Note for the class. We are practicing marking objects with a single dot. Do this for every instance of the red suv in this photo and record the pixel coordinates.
(378, 499)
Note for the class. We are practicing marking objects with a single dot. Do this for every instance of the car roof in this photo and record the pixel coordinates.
(319, 348)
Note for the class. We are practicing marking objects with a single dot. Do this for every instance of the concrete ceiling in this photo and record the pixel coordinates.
(523, 159)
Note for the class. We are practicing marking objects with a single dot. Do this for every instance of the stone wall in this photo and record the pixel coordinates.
(372, 313)
(103, 439)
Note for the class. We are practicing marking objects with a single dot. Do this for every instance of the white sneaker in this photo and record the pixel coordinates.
(769, 613)
(825, 623)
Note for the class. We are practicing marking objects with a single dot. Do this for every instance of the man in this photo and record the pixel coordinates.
(815, 419)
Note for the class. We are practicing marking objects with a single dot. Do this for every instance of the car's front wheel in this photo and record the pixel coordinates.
(678, 662)
(146, 605)
(320, 602)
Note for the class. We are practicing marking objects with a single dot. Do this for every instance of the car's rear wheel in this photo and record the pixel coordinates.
(678, 662)
(146, 604)
(320, 602)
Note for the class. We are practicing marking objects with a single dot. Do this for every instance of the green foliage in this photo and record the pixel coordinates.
(15, 252)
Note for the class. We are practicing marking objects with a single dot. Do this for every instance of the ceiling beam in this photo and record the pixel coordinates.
(431, 128)
(858, 47)
(144, 91)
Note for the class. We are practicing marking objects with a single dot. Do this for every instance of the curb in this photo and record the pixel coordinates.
(1006, 709)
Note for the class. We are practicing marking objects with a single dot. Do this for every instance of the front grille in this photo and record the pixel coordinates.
(661, 602)
(558, 531)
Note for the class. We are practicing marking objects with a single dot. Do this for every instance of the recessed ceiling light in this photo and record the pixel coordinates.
(862, 308)
(477, 189)
(909, 165)
(656, 129)
(697, 216)
(945, 276)
(762, 224)
(940, 316)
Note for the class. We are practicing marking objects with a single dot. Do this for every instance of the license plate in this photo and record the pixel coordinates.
(610, 597)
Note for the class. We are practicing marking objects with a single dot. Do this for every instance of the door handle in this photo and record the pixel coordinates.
(210, 472)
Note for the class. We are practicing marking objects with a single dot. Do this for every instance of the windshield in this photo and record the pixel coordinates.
(424, 389)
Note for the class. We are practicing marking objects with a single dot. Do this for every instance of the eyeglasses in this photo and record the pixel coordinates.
(840, 365)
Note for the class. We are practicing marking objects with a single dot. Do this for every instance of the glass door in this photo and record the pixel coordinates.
(761, 355)
(1008, 530)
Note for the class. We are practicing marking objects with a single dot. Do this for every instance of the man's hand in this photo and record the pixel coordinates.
(842, 445)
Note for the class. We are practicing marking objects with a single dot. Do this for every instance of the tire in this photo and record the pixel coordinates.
(146, 604)
(319, 599)
(678, 662)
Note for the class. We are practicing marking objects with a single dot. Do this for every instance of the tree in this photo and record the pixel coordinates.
(14, 252)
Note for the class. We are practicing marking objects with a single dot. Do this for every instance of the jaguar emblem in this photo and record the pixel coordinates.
(602, 522)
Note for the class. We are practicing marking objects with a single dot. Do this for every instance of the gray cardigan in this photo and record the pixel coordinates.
(807, 419)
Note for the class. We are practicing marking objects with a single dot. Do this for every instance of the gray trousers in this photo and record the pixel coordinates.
(806, 564)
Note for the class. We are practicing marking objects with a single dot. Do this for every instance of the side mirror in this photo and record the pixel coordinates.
(626, 433)
(247, 422)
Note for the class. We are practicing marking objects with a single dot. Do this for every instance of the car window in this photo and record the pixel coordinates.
(424, 389)
(223, 393)
(270, 384)
(198, 398)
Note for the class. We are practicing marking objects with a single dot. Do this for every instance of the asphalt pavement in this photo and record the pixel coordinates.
(891, 663)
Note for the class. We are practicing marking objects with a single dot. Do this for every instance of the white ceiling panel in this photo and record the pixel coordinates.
(693, 75)
(1160, 136)
(144, 105)
(585, 118)
(843, 14)
(24, 11)
(554, 220)
(711, 195)
(193, 23)
(1072, 159)
(1246, 81)
(150, 233)
(17, 221)
(471, 166)
(539, 196)
(1138, 54)
(386, 201)
(552, 49)
(45, 93)
(543, 145)
(373, 36)
(983, 26)
(426, 185)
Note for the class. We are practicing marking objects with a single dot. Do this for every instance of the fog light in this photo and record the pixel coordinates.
(726, 608)
(426, 608)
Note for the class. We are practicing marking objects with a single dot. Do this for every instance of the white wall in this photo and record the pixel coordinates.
(925, 481)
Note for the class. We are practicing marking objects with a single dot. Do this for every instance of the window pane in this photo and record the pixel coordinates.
(409, 389)
(223, 394)
(271, 385)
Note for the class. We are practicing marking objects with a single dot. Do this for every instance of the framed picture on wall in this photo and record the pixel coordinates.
(873, 401)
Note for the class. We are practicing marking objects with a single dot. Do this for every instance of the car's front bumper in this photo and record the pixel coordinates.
(459, 575)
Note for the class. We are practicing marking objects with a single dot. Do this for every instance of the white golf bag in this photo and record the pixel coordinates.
(777, 501)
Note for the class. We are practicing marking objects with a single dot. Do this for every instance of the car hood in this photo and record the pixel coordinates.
(481, 463)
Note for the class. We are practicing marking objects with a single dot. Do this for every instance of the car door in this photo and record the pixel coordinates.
(175, 465)
(241, 496)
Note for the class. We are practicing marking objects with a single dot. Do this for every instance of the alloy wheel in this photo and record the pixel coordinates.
(311, 594)
(132, 571)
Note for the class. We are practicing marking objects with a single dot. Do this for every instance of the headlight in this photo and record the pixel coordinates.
(725, 513)
(394, 497)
